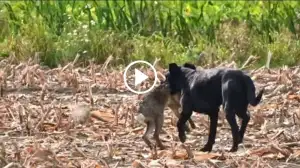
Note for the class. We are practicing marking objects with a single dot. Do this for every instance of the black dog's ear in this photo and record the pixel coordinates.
(174, 68)
(189, 65)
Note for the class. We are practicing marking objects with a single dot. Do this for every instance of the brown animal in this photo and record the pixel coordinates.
(151, 112)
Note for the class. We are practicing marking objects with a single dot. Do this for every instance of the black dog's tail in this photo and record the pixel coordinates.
(251, 92)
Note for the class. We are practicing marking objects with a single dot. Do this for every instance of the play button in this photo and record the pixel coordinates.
(139, 77)
(136, 80)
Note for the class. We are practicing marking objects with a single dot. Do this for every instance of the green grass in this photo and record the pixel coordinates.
(175, 31)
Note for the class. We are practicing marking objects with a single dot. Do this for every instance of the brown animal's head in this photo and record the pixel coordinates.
(163, 88)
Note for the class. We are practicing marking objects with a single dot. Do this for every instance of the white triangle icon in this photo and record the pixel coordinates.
(139, 77)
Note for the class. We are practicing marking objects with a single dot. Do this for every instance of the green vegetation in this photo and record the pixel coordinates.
(170, 30)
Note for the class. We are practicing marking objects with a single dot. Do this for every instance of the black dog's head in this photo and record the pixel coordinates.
(175, 76)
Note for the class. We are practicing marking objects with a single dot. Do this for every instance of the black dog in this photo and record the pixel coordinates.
(205, 90)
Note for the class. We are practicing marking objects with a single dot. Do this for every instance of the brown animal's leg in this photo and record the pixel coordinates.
(175, 103)
(192, 123)
(158, 127)
(149, 129)
(175, 108)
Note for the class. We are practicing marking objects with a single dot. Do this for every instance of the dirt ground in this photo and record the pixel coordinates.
(84, 117)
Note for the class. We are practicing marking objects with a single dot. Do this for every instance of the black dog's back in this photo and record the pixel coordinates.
(209, 84)
(206, 85)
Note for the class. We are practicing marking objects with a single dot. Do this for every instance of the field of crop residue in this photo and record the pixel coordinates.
(84, 117)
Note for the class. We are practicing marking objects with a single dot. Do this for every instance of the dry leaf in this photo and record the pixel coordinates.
(180, 155)
(154, 163)
(294, 97)
(260, 152)
(103, 116)
(199, 156)
(138, 164)
(172, 163)
(98, 166)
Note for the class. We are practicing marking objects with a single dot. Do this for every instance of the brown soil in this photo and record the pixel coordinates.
(84, 117)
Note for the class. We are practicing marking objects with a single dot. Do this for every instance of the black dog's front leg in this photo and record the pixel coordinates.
(184, 117)
(212, 132)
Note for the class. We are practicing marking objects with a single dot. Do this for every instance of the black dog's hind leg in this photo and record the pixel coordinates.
(245, 116)
(230, 116)
(229, 105)
(213, 117)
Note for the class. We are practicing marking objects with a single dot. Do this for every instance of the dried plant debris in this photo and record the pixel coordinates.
(84, 117)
